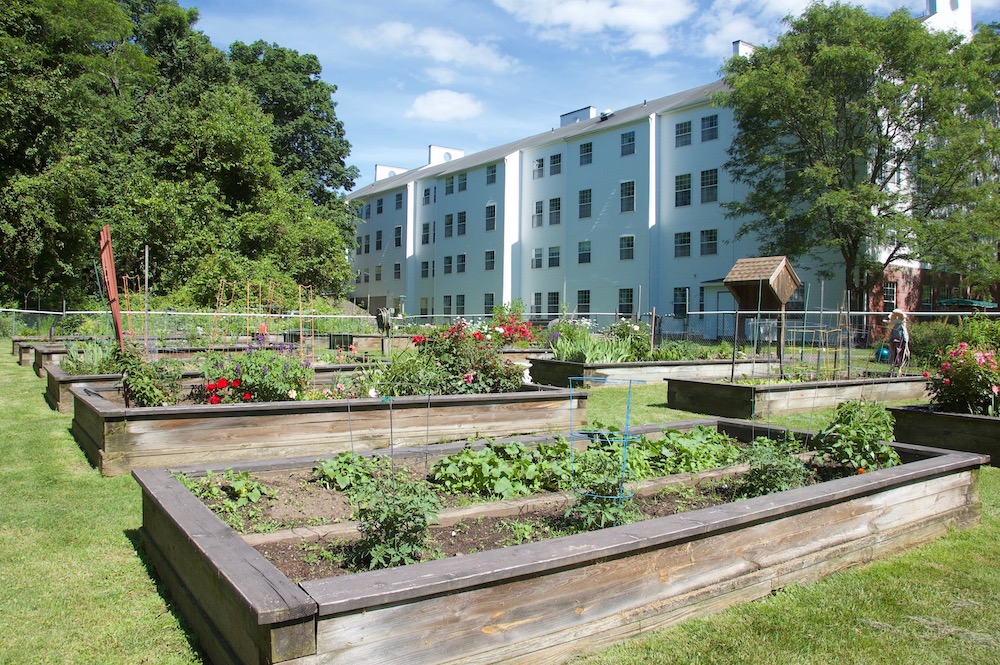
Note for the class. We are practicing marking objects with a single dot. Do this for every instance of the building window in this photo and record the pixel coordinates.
(682, 134)
(446, 301)
(628, 143)
(710, 128)
(586, 153)
(425, 269)
(491, 259)
(682, 244)
(626, 248)
(399, 201)
(460, 263)
(378, 273)
(368, 244)
(583, 251)
(427, 196)
(368, 211)
(555, 211)
(709, 242)
(583, 301)
(625, 302)
(536, 218)
(682, 190)
(488, 300)
(366, 276)
(553, 302)
(491, 218)
(888, 296)
(553, 257)
(555, 164)
(460, 304)
(710, 186)
(536, 302)
(358, 245)
(378, 207)
(491, 174)
(539, 170)
(628, 196)
(423, 307)
(680, 301)
(449, 185)
(536, 257)
(462, 184)
(701, 301)
(397, 270)
(584, 203)
(927, 296)
(447, 265)
(449, 226)
(460, 224)
(378, 241)
(397, 236)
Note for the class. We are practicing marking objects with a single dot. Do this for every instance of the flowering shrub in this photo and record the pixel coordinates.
(636, 334)
(509, 322)
(259, 375)
(967, 381)
(469, 361)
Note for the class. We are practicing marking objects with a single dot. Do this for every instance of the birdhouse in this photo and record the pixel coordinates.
(764, 283)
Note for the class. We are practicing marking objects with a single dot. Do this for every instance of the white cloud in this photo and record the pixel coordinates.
(638, 25)
(444, 106)
(444, 47)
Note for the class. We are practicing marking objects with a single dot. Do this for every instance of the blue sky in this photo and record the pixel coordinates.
(473, 74)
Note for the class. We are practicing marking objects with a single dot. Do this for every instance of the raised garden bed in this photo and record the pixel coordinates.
(117, 439)
(551, 372)
(545, 601)
(954, 431)
(58, 383)
(734, 400)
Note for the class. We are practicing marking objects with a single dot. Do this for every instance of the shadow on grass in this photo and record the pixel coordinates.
(135, 538)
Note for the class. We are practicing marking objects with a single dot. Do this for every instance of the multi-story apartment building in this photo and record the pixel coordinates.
(614, 212)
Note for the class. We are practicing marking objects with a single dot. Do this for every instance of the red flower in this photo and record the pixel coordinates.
(927, 375)
(419, 339)
(478, 335)
(211, 386)
(247, 397)
(947, 382)
(236, 383)
(214, 399)
(222, 383)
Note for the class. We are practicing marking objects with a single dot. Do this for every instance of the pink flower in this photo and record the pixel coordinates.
(927, 375)
(947, 382)
(996, 390)
(469, 377)
(945, 366)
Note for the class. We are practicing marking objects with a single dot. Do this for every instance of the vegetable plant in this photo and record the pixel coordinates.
(858, 436)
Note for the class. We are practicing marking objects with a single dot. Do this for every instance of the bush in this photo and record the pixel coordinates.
(858, 436)
(967, 381)
(773, 468)
(89, 358)
(259, 375)
(636, 334)
(394, 515)
(145, 383)
(929, 338)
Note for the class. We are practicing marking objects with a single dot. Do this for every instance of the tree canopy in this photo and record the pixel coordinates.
(229, 166)
(863, 141)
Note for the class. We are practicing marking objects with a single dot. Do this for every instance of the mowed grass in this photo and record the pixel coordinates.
(75, 588)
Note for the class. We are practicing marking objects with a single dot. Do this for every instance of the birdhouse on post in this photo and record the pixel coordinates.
(764, 285)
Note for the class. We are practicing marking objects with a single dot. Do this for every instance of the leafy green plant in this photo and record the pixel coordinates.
(602, 498)
(148, 383)
(85, 357)
(701, 448)
(929, 338)
(591, 350)
(235, 497)
(773, 468)
(858, 436)
(394, 515)
(636, 335)
(348, 471)
(259, 375)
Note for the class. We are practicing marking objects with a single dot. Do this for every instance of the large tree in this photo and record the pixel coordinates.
(122, 113)
(853, 138)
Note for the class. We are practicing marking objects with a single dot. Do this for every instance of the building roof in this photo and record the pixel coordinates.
(604, 121)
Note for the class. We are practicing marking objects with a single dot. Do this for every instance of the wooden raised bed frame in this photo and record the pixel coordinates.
(734, 400)
(551, 372)
(117, 439)
(954, 431)
(544, 602)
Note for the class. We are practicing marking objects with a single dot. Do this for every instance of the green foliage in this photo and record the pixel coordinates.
(348, 471)
(636, 335)
(980, 331)
(88, 358)
(773, 468)
(602, 498)
(858, 436)
(503, 470)
(828, 124)
(929, 338)
(267, 375)
(235, 497)
(148, 383)
(967, 381)
(394, 515)
(591, 350)
(701, 448)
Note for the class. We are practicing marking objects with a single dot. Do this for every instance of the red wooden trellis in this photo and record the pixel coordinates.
(111, 283)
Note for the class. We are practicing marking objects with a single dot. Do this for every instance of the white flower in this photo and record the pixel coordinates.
(635, 328)
(527, 375)
(372, 393)
(488, 336)
(292, 394)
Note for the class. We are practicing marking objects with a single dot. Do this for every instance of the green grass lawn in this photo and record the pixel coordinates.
(75, 588)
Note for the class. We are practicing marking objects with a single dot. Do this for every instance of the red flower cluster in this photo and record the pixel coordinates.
(222, 389)
(419, 339)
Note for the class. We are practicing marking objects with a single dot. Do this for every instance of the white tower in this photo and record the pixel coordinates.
(944, 15)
